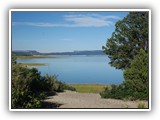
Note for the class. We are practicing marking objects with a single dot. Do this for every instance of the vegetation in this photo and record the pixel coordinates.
(130, 35)
(136, 83)
(88, 88)
(29, 88)
(136, 77)
(128, 50)
(32, 64)
(34, 56)
(115, 91)
(69, 87)
(141, 105)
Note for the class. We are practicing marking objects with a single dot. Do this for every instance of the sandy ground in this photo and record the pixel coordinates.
(70, 99)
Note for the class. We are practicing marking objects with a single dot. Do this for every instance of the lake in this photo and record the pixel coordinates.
(79, 69)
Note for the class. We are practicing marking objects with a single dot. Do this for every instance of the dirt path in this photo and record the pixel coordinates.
(70, 99)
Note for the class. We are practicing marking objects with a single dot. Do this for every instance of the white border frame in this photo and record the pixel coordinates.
(80, 10)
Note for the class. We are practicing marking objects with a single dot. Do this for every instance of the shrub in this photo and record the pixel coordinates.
(23, 94)
(29, 88)
(68, 87)
(116, 92)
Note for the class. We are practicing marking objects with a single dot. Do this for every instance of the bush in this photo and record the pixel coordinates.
(29, 88)
(50, 83)
(24, 95)
(116, 92)
(68, 87)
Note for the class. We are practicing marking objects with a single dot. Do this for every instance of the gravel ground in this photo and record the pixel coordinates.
(70, 99)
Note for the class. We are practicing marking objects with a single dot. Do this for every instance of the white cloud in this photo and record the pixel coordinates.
(105, 17)
(91, 20)
(86, 21)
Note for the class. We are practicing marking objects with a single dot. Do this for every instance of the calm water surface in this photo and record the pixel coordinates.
(79, 69)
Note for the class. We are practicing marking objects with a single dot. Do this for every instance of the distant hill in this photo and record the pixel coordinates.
(26, 52)
(34, 52)
(85, 52)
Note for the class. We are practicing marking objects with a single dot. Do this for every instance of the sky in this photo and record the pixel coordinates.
(62, 31)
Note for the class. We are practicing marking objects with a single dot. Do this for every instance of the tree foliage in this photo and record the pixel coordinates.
(130, 35)
(128, 50)
(137, 77)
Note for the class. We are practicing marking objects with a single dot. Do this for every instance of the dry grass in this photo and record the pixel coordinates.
(89, 88)
(32, 64)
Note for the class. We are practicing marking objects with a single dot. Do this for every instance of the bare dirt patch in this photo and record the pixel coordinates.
(70, 99)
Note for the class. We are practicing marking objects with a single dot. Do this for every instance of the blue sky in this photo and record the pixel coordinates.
(62, 31)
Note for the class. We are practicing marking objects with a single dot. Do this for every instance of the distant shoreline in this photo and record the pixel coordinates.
(76, 52)
(49, 56)
(35, 56)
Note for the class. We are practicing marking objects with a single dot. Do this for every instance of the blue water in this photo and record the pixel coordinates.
(79, 69)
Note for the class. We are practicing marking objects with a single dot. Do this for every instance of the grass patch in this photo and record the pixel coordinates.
(141, 105)
(32, 64)
(89, 88)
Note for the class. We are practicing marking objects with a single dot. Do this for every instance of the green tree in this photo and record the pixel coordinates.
(137, 77)
(130, 35)
(128, 50)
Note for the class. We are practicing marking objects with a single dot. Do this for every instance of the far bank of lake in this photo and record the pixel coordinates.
(78, 69)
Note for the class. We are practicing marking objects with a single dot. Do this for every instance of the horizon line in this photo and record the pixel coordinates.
(58, 51)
